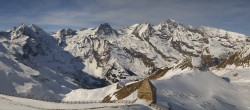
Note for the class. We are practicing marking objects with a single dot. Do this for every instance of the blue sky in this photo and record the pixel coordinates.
(52, 15)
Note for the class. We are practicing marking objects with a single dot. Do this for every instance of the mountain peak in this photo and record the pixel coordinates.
(170, 21)
(21, 26)
(67, 31)
(106, 29)
(144, 28)
(24, 28)
(105, 25)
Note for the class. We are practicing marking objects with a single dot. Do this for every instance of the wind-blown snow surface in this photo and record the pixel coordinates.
(235, 75)
(196, 90)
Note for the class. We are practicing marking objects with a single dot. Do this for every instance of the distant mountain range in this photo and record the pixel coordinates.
(41, 65)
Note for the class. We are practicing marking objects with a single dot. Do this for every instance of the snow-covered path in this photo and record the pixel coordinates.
(14, 103)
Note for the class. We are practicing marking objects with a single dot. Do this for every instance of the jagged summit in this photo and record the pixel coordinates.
(32, 30)
(144, 29)
(106, 29)
(169, 21)
(67, 31)
(22, 26)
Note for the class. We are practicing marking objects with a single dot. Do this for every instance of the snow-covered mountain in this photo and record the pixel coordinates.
(140, 49)
(40, 65)
(32, 64)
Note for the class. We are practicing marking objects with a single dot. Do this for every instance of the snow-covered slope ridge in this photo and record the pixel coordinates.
(32, 64)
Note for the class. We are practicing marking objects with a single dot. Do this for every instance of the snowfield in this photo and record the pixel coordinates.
(196, 90)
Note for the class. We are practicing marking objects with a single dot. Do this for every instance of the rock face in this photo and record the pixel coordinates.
(241, 58)
(31, 60)
(106, 29)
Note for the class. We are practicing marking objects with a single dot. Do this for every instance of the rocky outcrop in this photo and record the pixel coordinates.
(106, 29)
(241, 58)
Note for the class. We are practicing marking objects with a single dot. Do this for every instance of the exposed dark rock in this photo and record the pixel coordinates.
(106, 29)
(209, 60)
(147, 61)
(237, 59)
(177, 46)
(66, 32)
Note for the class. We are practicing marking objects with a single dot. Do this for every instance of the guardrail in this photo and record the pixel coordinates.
(157, 107)
(60, 101)
(96, 101)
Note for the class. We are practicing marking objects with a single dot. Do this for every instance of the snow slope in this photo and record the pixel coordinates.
(201, 90)
(14, 103)
(31, 64)
(93, 94)
(195, 88)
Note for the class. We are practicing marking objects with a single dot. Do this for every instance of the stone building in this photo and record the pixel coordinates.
(147, 91)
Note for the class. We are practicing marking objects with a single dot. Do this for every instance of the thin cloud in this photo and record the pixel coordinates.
(228, 14)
